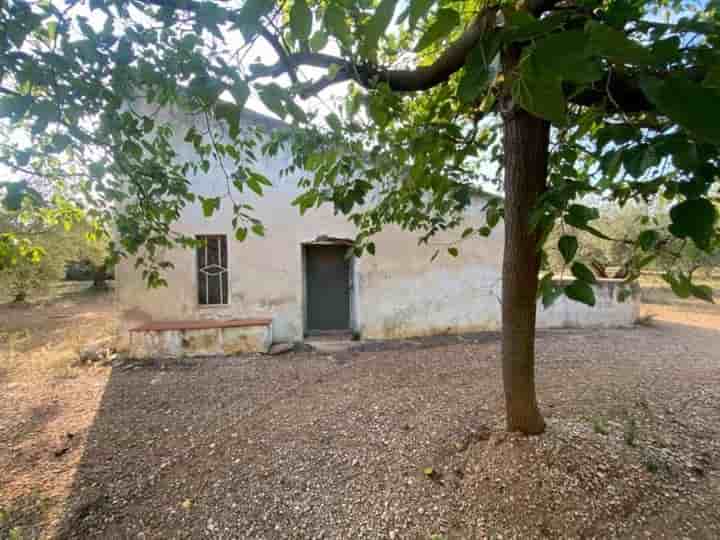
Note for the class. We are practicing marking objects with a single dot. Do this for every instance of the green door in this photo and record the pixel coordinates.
(328, 288)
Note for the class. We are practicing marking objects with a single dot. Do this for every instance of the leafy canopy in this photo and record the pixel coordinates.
(632, 90)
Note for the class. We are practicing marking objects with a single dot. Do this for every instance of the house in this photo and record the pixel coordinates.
(299, 279)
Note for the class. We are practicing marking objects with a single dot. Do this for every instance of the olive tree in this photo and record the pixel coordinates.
(572, 100)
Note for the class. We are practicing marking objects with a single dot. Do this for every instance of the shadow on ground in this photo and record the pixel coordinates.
(402, 440)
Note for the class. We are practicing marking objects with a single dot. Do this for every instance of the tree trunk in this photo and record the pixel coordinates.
(526, 146)
(100, 277)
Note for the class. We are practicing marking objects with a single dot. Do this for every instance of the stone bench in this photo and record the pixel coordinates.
(176, 339)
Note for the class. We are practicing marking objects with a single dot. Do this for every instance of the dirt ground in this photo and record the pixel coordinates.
(397, 441)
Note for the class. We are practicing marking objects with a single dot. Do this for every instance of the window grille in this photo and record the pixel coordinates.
(212, 265)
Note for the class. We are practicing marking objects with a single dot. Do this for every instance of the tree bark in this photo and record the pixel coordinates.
(526, 147)
(100, 277)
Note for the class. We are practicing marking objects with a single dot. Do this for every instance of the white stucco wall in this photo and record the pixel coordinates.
(399, 292)
(611, 308)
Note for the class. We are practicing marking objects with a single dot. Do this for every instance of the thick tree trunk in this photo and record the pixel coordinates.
(100, 277)
(526, 146)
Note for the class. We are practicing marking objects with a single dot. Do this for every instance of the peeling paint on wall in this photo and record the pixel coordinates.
(398, 292)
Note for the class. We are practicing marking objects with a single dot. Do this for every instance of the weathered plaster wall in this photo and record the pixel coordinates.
(398, 292)
(610, 309)
(200, 342)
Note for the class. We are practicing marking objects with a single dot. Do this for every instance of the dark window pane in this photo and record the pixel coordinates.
(212, 270)
(214, 289)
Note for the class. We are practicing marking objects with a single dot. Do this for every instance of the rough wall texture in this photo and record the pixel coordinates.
(613, 307)
(398, 292)
(200, 342)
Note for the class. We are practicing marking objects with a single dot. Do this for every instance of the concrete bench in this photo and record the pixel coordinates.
(176, 339)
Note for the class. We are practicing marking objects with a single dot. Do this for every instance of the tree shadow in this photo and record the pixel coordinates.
(172, 438)
(153, 438)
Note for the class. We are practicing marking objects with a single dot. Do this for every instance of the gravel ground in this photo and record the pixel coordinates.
(398, 442)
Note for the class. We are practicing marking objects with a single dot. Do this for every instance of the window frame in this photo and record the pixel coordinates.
(226, 269)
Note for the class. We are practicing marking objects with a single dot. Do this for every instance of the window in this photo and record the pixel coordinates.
(212, 265)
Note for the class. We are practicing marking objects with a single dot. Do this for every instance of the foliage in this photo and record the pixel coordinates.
(632, 232)
(42, 238)
(631, 95)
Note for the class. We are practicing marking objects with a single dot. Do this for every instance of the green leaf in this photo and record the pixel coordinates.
(694, 219)
(241, 234)
(648, 239)
(250, 15)
(273, 97)
(258, 229)
(680, 285)
(376, 27)
(579, 215)
(318, 41)
(254, 184)
(15, 107)
(703, 292)
(582, 272)
(580, 292)
(240, 93)
(667, 51)
(521, 26)
(492, 216)
(467, 232)
(378, 110)
(565, 55)
(453, 251)
(22, 157)
(568, 246)
(476, 74)
(614, 45)
(336, 24)
(300, 20)
(542, 97)
(446, 20)
(370, 247)
(230, 113)
(691, 105)
(209, 205)
(548, 290)
(550, 294)
(418, 9)
(52, 30)
(712, 79)
(133, 149)
(617, 133)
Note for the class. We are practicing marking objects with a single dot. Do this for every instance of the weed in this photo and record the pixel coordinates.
(631, 432)
(600, 425)
(652, 465)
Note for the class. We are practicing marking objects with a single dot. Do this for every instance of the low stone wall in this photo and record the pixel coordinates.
(616, 304)
(177, 342)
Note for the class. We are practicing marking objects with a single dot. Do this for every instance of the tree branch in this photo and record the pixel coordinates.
(450, 61)
(618, 93)
(288, 64)
(622, 92)
(369, 76)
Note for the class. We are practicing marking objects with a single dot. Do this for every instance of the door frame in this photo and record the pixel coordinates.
(352, 289)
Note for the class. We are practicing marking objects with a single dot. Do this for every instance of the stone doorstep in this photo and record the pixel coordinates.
(329, 346)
